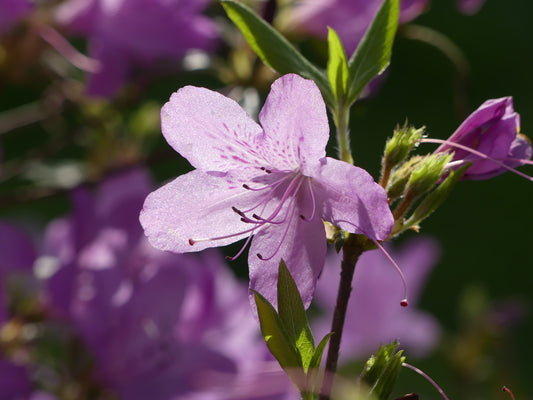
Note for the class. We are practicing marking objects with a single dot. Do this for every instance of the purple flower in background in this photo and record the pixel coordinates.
(349, 18)
(17, 255)
(159, 325)
(469, 6)
(125, 33)
(493, 129)
(373, 316)
(11, 11)
(272, 181)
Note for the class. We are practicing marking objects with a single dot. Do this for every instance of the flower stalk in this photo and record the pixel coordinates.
(354, 246)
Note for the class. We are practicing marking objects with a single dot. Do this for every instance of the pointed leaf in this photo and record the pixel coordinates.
(275, 335)
(373, 53)
(317, 356)
(337, 65)
(292, 314)
(381, 371)
(275, 51)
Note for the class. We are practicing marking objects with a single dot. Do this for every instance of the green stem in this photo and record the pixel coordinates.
(352, 249)
(342, 121)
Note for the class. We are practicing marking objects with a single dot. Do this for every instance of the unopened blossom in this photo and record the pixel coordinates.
(493, 130)
(373, 316)
(349, 18)
(159, 325)
(11, 11)
(128, 34)
(272, 181)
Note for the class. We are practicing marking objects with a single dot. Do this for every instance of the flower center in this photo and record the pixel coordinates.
(276, 206)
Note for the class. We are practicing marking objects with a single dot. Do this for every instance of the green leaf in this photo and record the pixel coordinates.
(317, 356)
(275, 51)
(337, 65)
(373, 53)
(275, 335)
(292, 314)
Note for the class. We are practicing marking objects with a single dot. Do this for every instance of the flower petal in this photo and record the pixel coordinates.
(303, 249)
(352, 200)
(198, 206)
(295, 123)
(211, 131)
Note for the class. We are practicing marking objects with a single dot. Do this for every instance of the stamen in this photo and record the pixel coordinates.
(506, 389)
(313, 200)
(404, 302)
(193, 241)
(479, 154)
(240, 251)
(63, 47)
(428, 379)
(291, 212)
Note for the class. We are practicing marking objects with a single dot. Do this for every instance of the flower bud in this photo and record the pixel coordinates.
(493, 131)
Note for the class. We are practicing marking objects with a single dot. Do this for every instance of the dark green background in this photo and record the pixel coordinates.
(485, 226)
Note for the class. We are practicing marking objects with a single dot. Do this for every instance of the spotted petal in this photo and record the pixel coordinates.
(198, 206)
(211, 131)
(295, 123)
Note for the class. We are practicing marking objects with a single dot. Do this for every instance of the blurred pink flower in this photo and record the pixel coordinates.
(124, 34)
(374, 316)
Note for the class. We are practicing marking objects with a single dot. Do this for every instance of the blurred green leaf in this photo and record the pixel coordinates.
(337, 65)
(373, 53)
(292, 314)
(275, 51)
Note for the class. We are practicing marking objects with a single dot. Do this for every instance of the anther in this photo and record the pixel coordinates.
(191, 242)
(244, 185)
(404, 303)
(237, 211)
(259, 256)
(255, 216)
(506, 389)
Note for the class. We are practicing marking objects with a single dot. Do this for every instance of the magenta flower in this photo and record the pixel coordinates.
(272, 181)
(127, 33)
(493, 130)
(374, 316)
(349, 18)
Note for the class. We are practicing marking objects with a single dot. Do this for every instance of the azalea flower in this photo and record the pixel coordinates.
(490, 133)
(159, 325)
(373, 316)
(124, 34)
(272, 181)
(349, 18)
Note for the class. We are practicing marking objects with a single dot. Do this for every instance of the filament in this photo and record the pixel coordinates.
(313, 202)
(404, 302)
(479, 154)
(420, 372)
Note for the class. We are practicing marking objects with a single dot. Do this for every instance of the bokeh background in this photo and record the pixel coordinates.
(481, 289)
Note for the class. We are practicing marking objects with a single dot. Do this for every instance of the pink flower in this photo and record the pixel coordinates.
(273, 182)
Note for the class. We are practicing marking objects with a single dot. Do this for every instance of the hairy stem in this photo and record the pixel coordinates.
(342, 120)
(352, 249)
